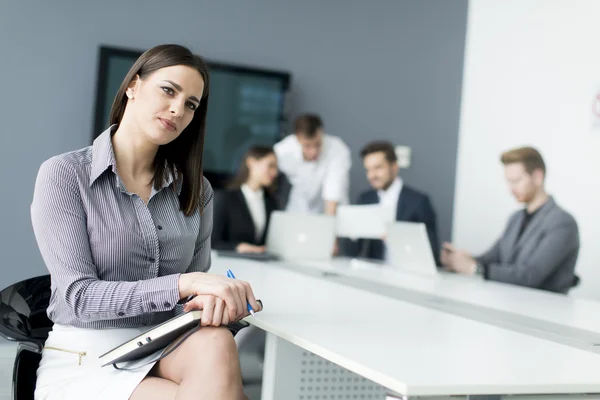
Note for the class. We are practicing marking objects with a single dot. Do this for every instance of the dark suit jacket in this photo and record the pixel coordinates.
(413, 206)
(545, 255)
(233, 223)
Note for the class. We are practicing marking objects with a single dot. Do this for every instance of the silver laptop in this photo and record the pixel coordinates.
(153, 339)
(409, 248)
(300, 236)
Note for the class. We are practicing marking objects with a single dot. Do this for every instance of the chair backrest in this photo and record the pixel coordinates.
(23, 311)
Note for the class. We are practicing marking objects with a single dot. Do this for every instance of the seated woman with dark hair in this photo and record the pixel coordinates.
(242, 215)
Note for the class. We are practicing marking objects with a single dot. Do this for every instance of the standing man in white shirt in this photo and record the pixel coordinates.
(317, 166)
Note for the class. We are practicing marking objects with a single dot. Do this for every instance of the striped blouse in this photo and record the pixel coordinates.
(114, 261)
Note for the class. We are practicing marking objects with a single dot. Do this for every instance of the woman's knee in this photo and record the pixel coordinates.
(220, 336)
(215, 348)
(204, 350)
(213, 341)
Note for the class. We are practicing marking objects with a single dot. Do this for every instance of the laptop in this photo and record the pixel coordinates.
(301, 236)
(153, 339)
(161, 336)
(410, 249)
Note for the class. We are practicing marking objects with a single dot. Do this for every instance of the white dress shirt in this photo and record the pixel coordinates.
(388, 199)
(255, 200)
(314, 182)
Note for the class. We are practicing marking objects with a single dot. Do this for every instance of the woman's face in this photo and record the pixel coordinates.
(163, 103)
(263, 170)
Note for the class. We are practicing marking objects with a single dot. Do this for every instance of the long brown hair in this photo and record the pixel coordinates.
(182, 158)
(243, 173)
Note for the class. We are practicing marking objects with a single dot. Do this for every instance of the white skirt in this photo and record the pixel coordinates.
(77, 373)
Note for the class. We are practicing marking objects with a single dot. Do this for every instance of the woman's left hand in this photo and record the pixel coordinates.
(214, 310)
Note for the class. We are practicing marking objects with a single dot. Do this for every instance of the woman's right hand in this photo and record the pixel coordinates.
(214, 311)
(249, 248)
(234, 293)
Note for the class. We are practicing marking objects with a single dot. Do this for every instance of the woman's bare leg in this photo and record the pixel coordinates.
(205, 366)
(154, 388)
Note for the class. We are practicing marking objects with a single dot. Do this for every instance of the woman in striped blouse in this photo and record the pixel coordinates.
(124, 228)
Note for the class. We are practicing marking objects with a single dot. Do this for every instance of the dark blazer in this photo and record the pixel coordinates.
(413, 206)
(545, 255)
(233, 223)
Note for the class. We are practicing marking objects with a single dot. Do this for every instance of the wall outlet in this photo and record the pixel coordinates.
(403, 154)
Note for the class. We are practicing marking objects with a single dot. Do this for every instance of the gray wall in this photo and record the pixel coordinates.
(386, 69)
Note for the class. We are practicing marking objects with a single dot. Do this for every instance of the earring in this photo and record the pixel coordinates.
(129, 94)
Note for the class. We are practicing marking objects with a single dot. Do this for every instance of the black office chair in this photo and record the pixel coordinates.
(23, 319)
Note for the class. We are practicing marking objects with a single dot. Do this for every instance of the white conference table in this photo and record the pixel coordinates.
(554, 316)
(406, 348)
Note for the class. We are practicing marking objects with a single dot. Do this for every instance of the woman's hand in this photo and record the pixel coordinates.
(214, 311)
(235, 294)
(249, 248)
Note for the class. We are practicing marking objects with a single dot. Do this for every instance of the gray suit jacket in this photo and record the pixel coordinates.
(544, 257)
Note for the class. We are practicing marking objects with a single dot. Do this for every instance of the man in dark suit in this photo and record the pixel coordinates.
(388, 189)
